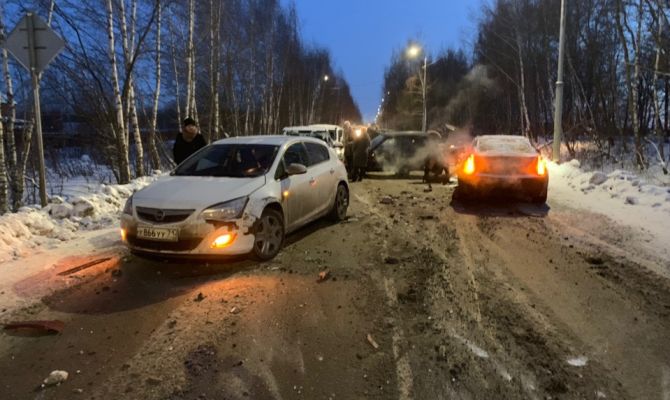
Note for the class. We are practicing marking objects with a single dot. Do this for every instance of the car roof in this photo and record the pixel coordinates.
(277, 140)
(404, 133)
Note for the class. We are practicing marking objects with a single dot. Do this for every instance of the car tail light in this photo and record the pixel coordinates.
(541, 167)
(469, 166)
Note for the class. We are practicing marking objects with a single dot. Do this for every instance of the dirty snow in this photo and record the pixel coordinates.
(624, 196)
(33, 227)
(578, 361)
(478, 351)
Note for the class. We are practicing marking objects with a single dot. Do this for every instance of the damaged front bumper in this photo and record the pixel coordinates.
(194, 236)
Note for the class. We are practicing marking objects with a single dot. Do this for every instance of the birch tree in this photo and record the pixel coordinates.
(117, 128)
(3, 173)
(153, 151)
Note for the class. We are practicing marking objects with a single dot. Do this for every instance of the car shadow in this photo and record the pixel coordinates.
(124, 281)
(499, 206)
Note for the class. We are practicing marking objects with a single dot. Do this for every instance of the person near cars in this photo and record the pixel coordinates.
(188, 141)
(348, 148)
(361, 149)
(434, 162)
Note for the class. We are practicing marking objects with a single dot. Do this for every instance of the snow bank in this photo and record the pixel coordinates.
(623, 196)
(33, 227)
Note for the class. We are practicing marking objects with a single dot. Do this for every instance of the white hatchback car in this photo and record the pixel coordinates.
(237, 196)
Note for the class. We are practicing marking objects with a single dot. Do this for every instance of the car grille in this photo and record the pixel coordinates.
(162, 216)
(181, 245)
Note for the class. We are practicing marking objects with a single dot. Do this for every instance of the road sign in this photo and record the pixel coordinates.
(34, 44)
(46, 42)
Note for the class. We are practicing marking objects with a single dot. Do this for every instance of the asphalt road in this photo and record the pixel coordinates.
(425, 298)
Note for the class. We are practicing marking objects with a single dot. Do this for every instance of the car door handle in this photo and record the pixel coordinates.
(312, 181)
(332, 171)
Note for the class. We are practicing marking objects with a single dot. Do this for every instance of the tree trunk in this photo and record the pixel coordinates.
(128, 54)
(190, 70)
(525, 120)
(173, 53)
(3, 173)
(215, 74)
(658, 126)
(631, 76)
(153, 151)
(119, 130)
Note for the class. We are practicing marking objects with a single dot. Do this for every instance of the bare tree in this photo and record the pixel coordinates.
(153, 151)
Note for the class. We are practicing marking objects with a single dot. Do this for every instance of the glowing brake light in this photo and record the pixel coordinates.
(469, 166)
(541, 166)
(123, 234)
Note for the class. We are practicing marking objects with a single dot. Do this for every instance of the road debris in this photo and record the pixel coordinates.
(199, 297)
(235, 310)
(117, 273)
(154, 381)
(55, 378)
(580, 361)
(323, 276)
(372, 342)
(386, 200)
(84, 266)
(46, 327)
(391, 260)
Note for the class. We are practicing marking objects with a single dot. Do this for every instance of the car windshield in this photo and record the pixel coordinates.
(230, 160)
(504, 144)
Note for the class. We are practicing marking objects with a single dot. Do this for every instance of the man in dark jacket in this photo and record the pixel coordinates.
(188, 141)
(361, 149)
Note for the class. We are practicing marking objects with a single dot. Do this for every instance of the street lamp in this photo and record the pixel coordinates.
(326, 78)
(414, 51)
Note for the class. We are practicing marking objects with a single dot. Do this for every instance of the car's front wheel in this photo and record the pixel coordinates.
(269, 234)
(339, 211)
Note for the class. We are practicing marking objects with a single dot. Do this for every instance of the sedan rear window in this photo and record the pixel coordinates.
(505, 144)
(230, 160)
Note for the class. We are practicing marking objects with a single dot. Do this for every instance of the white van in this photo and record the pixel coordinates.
(331, 134)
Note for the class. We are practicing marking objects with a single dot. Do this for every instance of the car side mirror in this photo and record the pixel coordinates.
(296, 169)
(338, 145)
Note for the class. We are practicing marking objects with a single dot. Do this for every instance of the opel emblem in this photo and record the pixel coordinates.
(160, 215)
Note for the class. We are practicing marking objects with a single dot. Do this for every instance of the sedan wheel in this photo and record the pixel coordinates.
(339, 211)
(269, 235)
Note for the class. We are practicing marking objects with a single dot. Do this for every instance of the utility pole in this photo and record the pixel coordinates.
(558, 106)
(425, 83)
(35, 77)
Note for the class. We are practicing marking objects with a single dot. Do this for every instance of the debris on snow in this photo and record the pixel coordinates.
(372, 342)
(391, 260)
(632, 200)
(55, 378)
(235, 310)
(598, 178)
(199, 297)
(578, 361)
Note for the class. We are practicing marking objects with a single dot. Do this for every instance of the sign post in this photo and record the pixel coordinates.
(34, 44)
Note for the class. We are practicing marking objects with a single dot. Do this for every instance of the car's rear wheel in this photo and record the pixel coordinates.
(339, 211)
(269, 234)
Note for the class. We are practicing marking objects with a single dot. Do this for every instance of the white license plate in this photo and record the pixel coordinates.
(159, 234)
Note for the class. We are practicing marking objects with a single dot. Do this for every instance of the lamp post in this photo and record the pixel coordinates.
(413, 52)
(558, 107)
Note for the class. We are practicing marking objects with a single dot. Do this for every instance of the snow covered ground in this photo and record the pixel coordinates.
(639, 202)
(88, 207)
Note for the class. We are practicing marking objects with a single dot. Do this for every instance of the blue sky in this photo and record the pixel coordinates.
(362, 34)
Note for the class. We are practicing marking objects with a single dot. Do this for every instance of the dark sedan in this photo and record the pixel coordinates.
(503, 163)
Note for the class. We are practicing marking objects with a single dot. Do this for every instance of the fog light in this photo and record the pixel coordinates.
(123, 235)
(224, 240)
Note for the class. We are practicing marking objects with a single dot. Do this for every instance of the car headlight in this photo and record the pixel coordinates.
(225, 211)
(128, 208)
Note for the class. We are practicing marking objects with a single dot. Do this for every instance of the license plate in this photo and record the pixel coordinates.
(158, 234)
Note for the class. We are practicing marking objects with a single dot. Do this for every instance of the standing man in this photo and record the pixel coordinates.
(188, 141)
(361, 150)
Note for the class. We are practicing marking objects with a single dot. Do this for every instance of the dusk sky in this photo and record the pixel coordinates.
(362, 34)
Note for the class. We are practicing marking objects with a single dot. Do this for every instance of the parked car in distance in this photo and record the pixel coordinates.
(237, 196)
(399, 152)
(503, 163)
(331, 134)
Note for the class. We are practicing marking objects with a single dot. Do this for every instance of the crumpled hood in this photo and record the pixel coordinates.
(194, 192)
